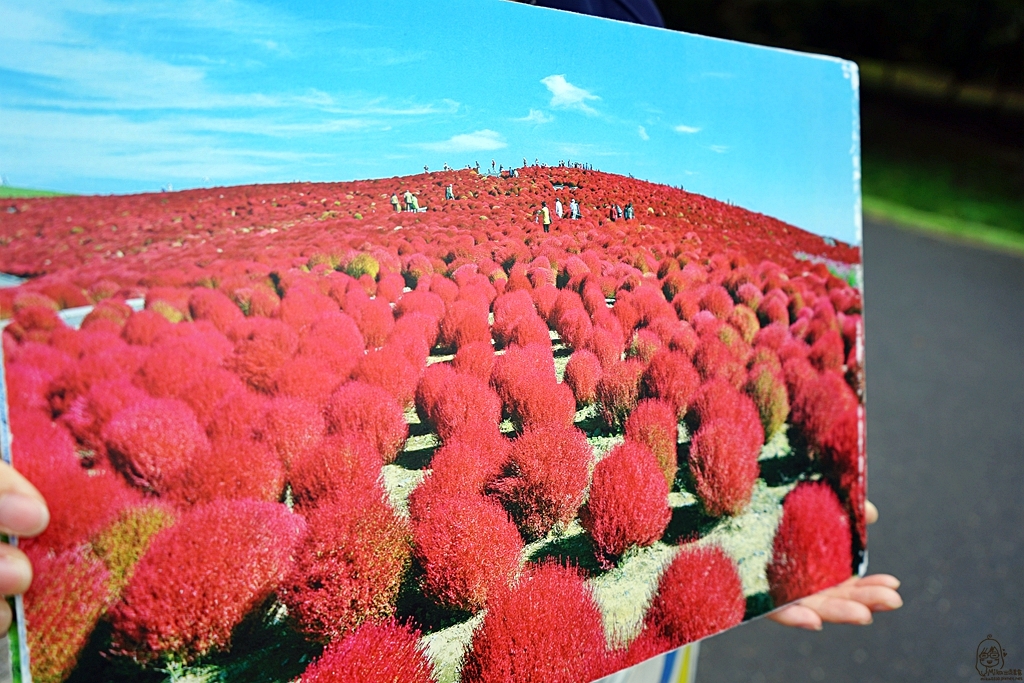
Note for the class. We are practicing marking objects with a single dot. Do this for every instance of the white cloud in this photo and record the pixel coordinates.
(686, 129)
(565, 95)
(643, 133)
(479, 141)
(109, 146)
(537, 116)
(721, 149)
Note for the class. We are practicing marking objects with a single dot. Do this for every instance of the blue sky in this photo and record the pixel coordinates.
(105, 96)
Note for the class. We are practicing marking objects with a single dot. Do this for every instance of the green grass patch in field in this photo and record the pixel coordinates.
(7, 192)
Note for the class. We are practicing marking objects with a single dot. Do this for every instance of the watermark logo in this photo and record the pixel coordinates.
(991, 662)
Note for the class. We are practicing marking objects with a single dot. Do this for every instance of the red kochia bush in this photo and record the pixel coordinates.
(109, 314)
(844, 466)
(371, 412)
(302, 305)
(390, 371)
(619, 390)
(607, 345)
(536, 398)
(720, 401)
(468, 549)
(186, 596)
(767, 388)
(628, 503)
(420, 302)
(292, 426)
(68, 595)
(509, 309)
(476, 358)
(374, 653)
(215, 306)
(520, 360)
(433, 383)
(644, 344)
(334, 329)
(27, 386)
(308, 377)
(464, 465)
(724, 467)
(344, 465)
(828, 352)
(374, 318)
(152, 442)
(582, 373)
(715, 359)
(233, 468)
(699, 594)
(812, 548)
(238, 414)
(174, 363)
(574, 327)
(262, 346)
(80, 503)
(529, 330)
(88, 414)
(655, 425)
(548, 474)
(349, 569)
(143, 327)
(671, 377)
(465, 322)
(547, 629)
(466, 399)
(821, 402)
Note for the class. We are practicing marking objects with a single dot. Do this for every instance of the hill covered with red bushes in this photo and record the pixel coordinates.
(334, 424)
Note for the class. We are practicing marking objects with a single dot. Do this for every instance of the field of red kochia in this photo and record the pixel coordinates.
(219, 454)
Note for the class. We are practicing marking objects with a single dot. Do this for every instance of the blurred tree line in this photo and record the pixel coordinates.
(974, 41)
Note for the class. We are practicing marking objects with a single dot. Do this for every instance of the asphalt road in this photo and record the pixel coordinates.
(945, 377)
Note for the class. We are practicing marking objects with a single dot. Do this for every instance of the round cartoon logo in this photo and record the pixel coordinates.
(990, 656)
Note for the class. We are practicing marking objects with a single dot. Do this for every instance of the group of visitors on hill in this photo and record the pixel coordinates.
(409, 201)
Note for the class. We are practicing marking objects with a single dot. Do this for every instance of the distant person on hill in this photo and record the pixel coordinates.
(629, 211)
(545, 216)
(558, 208)
(408, 200)
(574, 209)
(449, 192)
(395, 203)
(618, 210)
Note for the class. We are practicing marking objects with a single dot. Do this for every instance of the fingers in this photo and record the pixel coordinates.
(877, 598)
(22, 509)
(870, 512)
(15, 571)
(851, 602)
(797, 616)
(839, 610)
(887, 580)
(5, 616)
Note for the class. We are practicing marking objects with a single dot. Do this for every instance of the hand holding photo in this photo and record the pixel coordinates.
(553, 361)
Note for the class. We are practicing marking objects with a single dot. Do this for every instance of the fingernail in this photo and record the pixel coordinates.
(22, 515)
(15, 574)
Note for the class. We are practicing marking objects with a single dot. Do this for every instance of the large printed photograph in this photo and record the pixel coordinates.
(422, 341)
